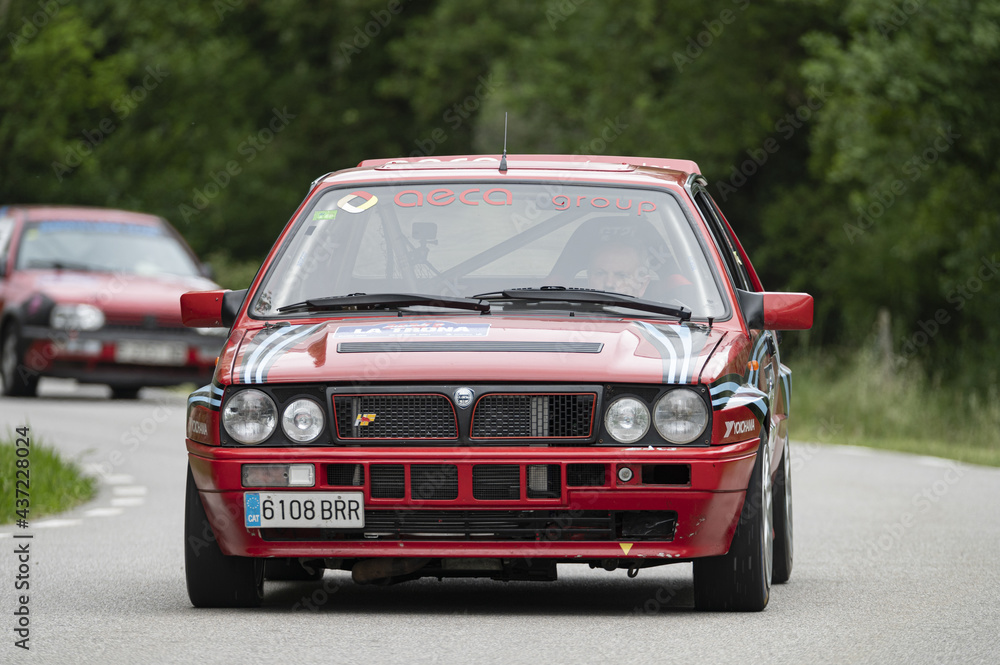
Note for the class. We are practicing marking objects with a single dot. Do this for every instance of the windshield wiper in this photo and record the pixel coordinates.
(59, 264)
(591, 297)
(364, 301)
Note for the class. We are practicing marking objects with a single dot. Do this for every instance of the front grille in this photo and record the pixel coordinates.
(496, 482)
(434, 482)
(584, 475)
(387, 481)
(495, 525)
(561, 416)
(395, 417)
(345, 475)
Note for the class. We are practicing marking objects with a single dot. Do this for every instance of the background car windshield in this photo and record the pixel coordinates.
(462, 239)
(103, 246)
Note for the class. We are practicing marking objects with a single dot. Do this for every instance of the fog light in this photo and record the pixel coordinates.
(625, 474)
(538, 478)
(279, 475)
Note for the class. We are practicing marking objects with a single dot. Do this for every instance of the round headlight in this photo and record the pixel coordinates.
(250, 416)
(76, 317)
(302, 421)
(680, 416)
(627, 420)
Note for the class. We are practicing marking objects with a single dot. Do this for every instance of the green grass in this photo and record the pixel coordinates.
(55, 484)
(861, 400)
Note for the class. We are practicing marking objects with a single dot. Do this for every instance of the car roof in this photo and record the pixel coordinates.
(573, 162)
(45, 212)
(620, 168)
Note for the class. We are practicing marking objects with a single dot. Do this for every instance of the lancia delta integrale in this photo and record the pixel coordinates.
(472, 366)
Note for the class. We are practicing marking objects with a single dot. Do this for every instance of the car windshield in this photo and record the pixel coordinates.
(103, 246)
(483, 238)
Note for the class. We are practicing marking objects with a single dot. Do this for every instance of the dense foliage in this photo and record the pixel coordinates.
(852, 143)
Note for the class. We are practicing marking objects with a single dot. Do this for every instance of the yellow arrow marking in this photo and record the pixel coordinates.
(626, 547)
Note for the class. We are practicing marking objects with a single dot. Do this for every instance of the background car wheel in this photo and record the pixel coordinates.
(782, 500)
(17, 381)
(125, 392)
(740, 580)
(213, 578)
(292, 570)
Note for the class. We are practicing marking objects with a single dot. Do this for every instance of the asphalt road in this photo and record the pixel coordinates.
(896, 562)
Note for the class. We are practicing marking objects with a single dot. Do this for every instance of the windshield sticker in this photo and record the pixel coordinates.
(328, 214)
(563, 202)
(347, 203)
(412, 198)
(415, 329)
(98, 227)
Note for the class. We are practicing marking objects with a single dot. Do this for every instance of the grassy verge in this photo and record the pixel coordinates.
(55, 484)
(858, 400)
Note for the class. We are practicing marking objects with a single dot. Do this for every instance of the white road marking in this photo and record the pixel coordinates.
(118, 479)
(134, 490)
(127, 501)
(49, 524)
(103, 512)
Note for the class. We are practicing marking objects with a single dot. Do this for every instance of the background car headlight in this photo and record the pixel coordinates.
(680, 416)
(250, 416)
(627, 420)
(76, 317)
(303, 420)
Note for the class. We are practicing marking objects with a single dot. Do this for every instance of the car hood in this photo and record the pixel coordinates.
(119, 295)
(475, 348)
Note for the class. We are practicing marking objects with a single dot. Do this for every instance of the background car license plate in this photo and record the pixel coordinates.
(309, 510)
(151, 353)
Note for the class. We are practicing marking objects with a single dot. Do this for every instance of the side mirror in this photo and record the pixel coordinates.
(770, 310)
(211, 309)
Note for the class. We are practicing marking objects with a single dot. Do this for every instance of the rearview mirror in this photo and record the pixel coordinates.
(770, 310)
(211, 309)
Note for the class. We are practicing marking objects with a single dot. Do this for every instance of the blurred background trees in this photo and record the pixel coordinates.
(853, 144)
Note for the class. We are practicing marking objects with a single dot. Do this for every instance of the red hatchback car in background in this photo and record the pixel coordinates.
(92, 294)
(471, 366)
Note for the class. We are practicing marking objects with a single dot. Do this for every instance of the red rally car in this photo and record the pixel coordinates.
(91, 294)
(481, 366)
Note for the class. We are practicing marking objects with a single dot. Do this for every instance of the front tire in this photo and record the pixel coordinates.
(740, 580)
(18, 381)
(782, 499)
(215, 579)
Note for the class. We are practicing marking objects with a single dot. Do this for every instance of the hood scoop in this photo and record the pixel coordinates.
(474, 347)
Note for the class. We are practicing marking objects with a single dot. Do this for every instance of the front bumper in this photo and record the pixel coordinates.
(97, 356)
(707, 505)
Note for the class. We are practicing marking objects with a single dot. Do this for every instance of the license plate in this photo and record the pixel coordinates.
(151, 353)
(308, 510)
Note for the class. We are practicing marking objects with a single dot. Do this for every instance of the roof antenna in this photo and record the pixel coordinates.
(503, 158)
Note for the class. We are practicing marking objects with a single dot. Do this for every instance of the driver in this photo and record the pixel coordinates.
(619, 267)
